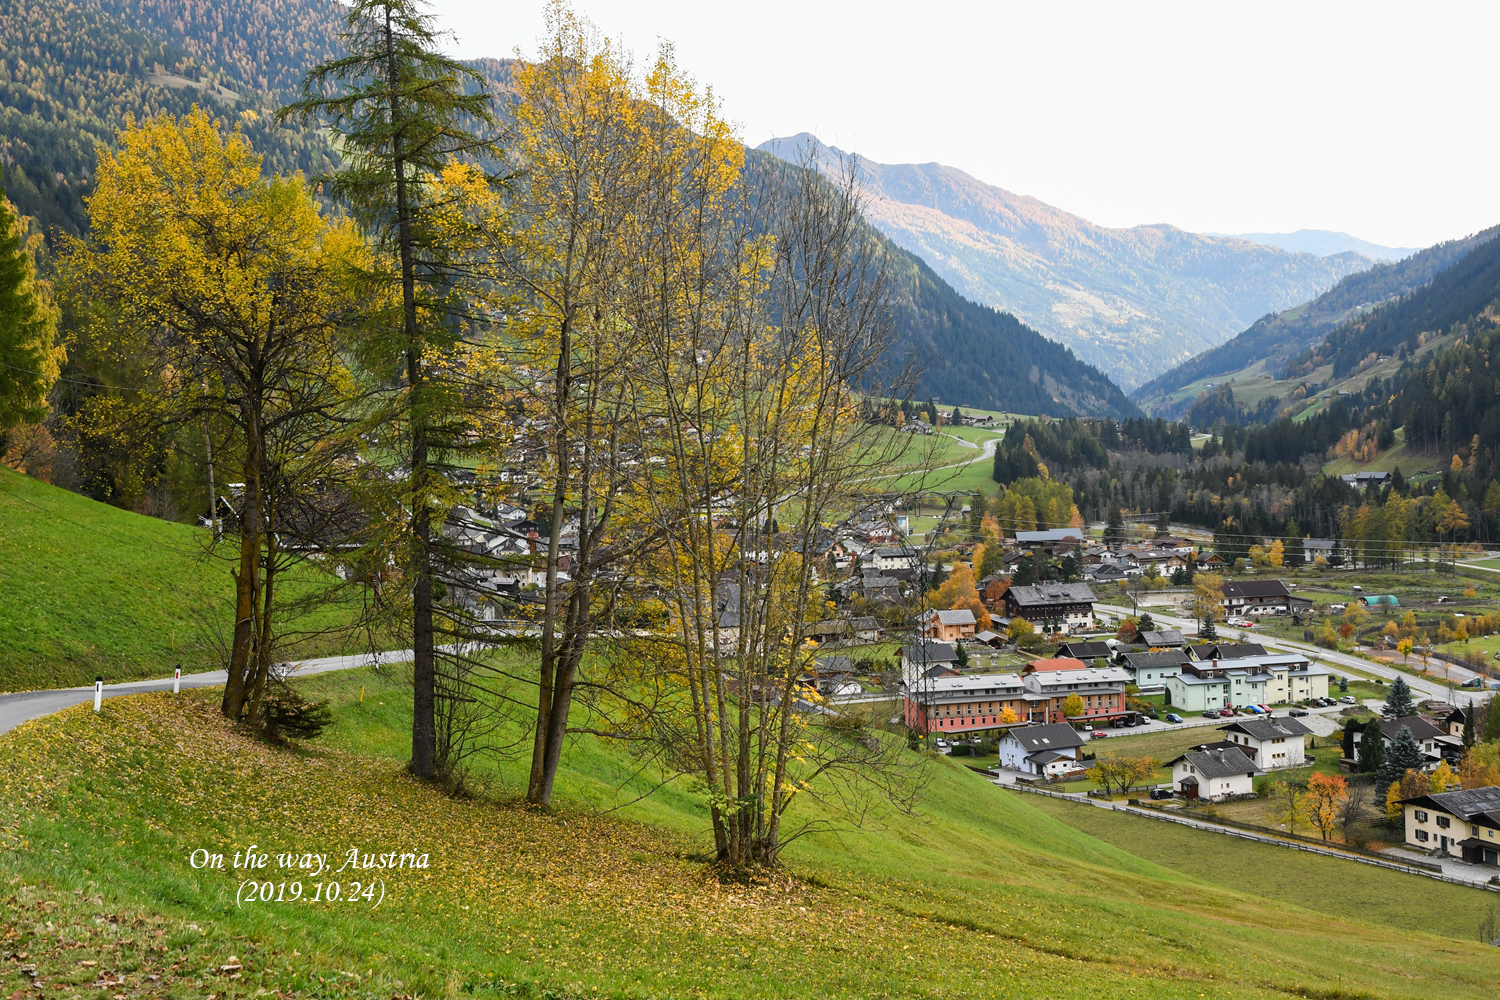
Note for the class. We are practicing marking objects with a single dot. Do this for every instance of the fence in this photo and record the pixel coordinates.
(1213, 827)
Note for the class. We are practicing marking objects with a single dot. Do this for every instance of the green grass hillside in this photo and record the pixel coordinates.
(980, 894)
(87, 589)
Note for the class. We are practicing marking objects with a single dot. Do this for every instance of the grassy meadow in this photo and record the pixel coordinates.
(87, 589)
(979, 893)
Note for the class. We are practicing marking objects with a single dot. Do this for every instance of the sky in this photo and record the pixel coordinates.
(1375, 119)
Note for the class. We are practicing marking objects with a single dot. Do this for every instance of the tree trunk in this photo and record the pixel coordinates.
(247, 579)
(424, 664)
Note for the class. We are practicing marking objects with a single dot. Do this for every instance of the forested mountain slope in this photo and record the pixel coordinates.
(73, 70)
(1463, 292)
(1277, 338)
(1133, 301)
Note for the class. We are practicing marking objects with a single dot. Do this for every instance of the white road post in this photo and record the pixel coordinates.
(176, 680)
(98, 692)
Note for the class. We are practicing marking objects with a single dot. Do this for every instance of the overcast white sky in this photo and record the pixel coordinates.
(1377, 119)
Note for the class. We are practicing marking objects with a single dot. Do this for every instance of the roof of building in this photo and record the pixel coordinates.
(1420, 727)
(929, 651)
(961, 616)
(1462, 803)
(1267, 729)
(939, 688)
(988, 636)
(1218, 762)
(1052, 736)
(1049, 535)
(1226, 650)
(834, 665)
(1085, 649)
(1163, 658)
(1044, 594)
(1048, 756)
(1256, 588)
(1056, 663)
(1163, 637)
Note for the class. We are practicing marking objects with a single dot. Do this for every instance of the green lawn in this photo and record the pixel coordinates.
(979, 893)
(1344, 890)
(87, 589)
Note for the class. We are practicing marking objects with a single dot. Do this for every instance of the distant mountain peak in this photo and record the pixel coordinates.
(1133, 302)
(1324, 243)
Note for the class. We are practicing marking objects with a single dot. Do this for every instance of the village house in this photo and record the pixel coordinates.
(889, 558)
(1067, 605)
(1050, 540)
(1256, 597)
(1435, 743)
(925, 659)
(1271, 743)
(949, 626)
(1214, 774)
(1150, 670)
(938, 699)
(1087, 650)
(1169, 638)
(1463, 824)
(1043, 750)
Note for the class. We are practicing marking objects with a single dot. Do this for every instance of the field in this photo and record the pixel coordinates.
(980, 893)
(87, 589)
(1343, 890)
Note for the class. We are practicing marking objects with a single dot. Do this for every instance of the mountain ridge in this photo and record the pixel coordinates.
(1323, 243)
(1130, 301)
(1275, 339)
(153, 56)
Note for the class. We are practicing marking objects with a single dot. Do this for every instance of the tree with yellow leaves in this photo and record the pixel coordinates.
(235, 291)
(1480, 766)
(1325, 799)
(958, 593)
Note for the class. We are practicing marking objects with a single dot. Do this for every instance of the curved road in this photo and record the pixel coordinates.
(26, 705)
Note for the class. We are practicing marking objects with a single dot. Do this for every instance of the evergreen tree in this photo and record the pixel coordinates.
(1398, 701)
(1207, 631)
(1114, 527)
(963, 654)
(930, 411)
(1371, 748)
(1404, 754)
(1146, 623)
(1469, 729)
(1491, 721)
(28, 328)
(402, 111)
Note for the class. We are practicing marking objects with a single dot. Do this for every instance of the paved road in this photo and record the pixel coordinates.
(1422, 687)
(23, 706)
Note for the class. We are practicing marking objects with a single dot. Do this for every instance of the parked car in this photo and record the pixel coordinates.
(1212, 713)
(1098, 734)
(1255, 710)
(941, 744)
(1338, 607)
(1173, 717)
(1161, 793)
(1297, 712)
(1347, 699)
(1443, 599)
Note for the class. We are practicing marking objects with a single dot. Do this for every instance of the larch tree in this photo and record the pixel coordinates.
(29, 355)
(234, 289)
(1325, 799)
(400, 112)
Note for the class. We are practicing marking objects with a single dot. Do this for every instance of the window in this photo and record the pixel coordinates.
(1422, 835)
(1421, 815)
(1444, 822)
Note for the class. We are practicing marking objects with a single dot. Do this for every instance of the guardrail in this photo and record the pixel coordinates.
(1212, 827)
